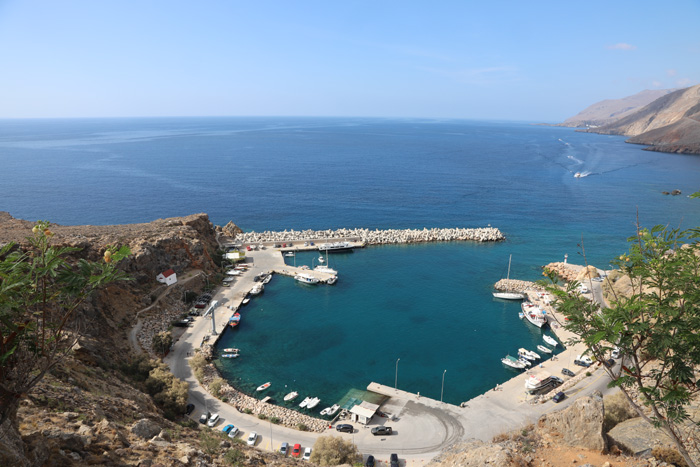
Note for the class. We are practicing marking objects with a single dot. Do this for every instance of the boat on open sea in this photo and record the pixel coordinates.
(262, 387)
(544, 349)
(306, 278)
(335, 247)
(509, 294)
(513, 362)
(550, 340)
(291, 396)
(534, 314)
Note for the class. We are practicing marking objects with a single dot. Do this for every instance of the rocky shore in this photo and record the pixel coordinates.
(376, 237)
(514, 285)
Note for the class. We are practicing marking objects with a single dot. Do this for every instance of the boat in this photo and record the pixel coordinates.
(530, 355)
(234, 320)
(257, 289)
(231, 350)
(326, 269)
(509, 294)
(321, 259)
(544, 349)
(550, 340)
(577, 175)
(230, 355)
(267, 279)
(233, 272)
(525, 361)
(512, 362)
(262, 387)
(291, 396)
(313, 403)
(289, 254)
(330, 410)
(306, 278)
(534, 314)
(335, 247)
(332, 280)
(245, 301)
(305, 402)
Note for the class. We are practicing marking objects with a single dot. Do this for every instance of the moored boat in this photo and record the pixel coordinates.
(512, 362)
(534, 314)
(230, 355)
(291, 396)
(509, 294)
(313, 403)
(335, 247)
(544, 349)
(305, 278)
(332, 280)
(530, 355)
(257, 289)
(305, 402)
(262, 387)
(232, 350)
(330, 410)
(326, 269)
(234, 320)
(550, 340)
(245, 301)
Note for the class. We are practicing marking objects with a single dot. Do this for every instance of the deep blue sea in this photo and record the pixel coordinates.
(429, 305)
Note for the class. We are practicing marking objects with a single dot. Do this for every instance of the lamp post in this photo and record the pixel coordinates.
(396, 378)
(443, 385)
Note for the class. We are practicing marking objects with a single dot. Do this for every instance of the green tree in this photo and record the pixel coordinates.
(41, 290)
(161, 342)
(333, 450)
(655, 328)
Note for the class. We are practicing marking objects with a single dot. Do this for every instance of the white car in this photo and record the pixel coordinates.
(213, 420)
(233, 432)
(585, 358)
(584, 289)
(307, 454)
(615, 353)
(252, 438)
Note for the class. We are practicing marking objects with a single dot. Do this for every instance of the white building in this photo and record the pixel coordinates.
(167, 277)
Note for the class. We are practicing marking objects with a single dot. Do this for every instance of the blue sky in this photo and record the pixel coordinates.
(511, 60)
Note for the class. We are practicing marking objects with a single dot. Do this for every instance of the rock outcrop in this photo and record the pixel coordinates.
(580, 425)
(476, 454)
(638, 437)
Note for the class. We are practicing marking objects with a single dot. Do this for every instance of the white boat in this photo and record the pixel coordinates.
(534, 314)
(245, 301)
(313, 403)
(335, 247)
(262, 387)
(257, 289)
(332, 280)
(550, 340)
(530, 355)
(230, 355)
(320, 259)
(525, 361)
(233, 272)
(544, 349)
(306, 278)
(305, 402)
(267, 279)
(231, 350)
(291, 396)
(512, 362)
(330, 410)
(289, 254)
(509, 294)
(326, 269)
(537, 380)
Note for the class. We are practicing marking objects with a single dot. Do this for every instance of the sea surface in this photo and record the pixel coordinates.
(427, 306)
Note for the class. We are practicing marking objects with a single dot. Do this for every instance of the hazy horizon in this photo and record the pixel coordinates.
(451, 60)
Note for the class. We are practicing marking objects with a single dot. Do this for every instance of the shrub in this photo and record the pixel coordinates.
(209, 442)
(669, 455)
(333, 450)
(617, 410)
(262, 416)
(168, 392)
(234, 457)
(215, 387)
(161, 342)
(248, 411)
(198, 361)
(275, 420)
(302, 427)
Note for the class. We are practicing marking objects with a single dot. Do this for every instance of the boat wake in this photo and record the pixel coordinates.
(578, 161)
(582, 174)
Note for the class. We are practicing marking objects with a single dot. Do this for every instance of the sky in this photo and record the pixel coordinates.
(539, 61)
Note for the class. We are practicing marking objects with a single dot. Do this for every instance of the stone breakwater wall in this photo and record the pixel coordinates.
(377, 237)
(514, 285)
(243, 403)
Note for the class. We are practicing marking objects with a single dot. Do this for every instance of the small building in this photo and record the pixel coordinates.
(167, 277)
(235, 256)
(363, 412)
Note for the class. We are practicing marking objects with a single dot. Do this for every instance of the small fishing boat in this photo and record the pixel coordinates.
(232, 350)
(230, 355)
(529, 354)
(234, 320)
(549, 340)
(544, 349)
(305, 402)
(262, 387)
(245, 301)
(267, 279)
(330, 410)
(534, 314)
(291, 396)
(512, 362)
(332, 280)
(257, 289)
(289, 254)
(525, 361)
(313, 403)
(306, 278)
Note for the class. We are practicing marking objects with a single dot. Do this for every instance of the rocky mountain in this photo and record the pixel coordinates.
(611, 110)
(671, 123)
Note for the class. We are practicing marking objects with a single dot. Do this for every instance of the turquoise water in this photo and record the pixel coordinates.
(429, 305)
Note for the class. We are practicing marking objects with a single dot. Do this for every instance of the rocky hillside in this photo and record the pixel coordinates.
(669, 124)
(610, 110)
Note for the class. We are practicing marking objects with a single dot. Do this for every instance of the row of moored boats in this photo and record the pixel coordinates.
(307, 403)
(526, 358)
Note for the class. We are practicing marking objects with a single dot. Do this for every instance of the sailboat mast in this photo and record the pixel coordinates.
(509, 258)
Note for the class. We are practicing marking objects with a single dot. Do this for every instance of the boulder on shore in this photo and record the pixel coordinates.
(638, 437)
(580, 425)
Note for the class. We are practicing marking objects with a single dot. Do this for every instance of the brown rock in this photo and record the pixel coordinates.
(580, 425)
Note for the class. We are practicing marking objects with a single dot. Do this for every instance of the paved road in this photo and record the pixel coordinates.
(422, 427)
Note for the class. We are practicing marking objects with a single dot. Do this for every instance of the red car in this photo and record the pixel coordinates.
(296, 450)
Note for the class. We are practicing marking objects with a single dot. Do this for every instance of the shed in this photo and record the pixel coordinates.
(235, 256)
(167, 277)
(364, 412)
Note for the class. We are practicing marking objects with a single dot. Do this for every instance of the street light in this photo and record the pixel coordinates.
(396, 378)
(443, 385)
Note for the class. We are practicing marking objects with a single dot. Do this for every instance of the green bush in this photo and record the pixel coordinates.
(215, 387)
(302, 427)
(248, 411)
(275, 420)
(262, 416)
(333, 450)
(235, 457)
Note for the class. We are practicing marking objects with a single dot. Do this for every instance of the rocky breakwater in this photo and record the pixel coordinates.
(514, 285)
(376, 237)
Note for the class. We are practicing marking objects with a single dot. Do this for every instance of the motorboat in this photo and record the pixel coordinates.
(313, 403)
(525, 361)
(289, 254)
(305, 402)
(291, 396)
(544, 349)
(330, 410)
(332, 280)
(550, 340)
(262, 387)
(321, 259)
(534, 314)
(267, 279)
(509, 294)
(245, 301)
(335, 247)
(530, 355)
(326, 269)
(512, 362)
(230, 355)
(306, 278)
(232, 350)
(257, 289)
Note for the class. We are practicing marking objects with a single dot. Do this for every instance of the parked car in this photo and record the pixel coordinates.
(558, 397)
(213, 420)
(228, 428)
(609, 363)
(394, 460)
(381, 430)
(615, 353)
(296, 450)
(189, 409)
(284, 449)
(233, 432)
(345, 428)
(252, 438)
(307, 454)
(582, 363)
(204, 417)
(370, 461)
(567, 372)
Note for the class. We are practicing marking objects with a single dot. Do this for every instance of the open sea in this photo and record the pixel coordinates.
(428, 305)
